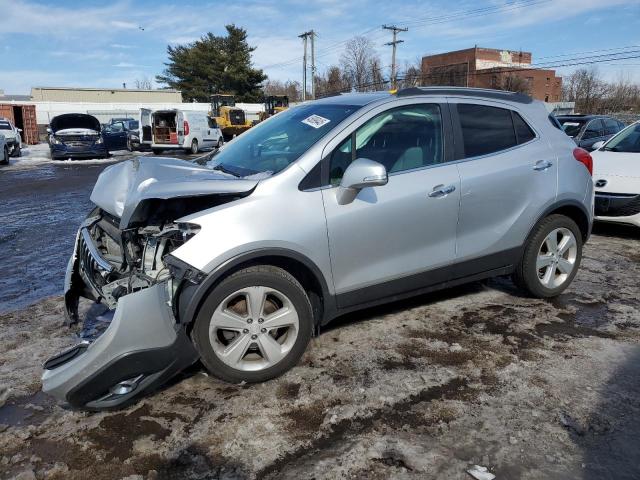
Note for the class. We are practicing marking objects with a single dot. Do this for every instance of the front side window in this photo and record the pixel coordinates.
(485, 129)
(628, 140)
(271, 146)
(401, 139)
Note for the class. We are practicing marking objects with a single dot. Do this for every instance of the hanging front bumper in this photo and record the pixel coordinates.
(140, 350)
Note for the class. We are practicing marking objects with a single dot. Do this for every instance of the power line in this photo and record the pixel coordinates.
(473, 13)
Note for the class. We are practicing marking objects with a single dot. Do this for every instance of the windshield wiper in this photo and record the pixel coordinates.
(224, 169)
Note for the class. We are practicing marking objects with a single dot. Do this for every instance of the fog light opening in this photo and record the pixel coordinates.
(126, 386)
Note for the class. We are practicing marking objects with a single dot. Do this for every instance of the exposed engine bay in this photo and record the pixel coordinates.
(115, 262)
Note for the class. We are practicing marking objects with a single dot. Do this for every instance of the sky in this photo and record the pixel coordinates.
(105, 44)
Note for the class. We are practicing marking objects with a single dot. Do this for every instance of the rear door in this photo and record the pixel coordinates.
(145, 127)
(180, 129)
(398, 237)
(508, 177)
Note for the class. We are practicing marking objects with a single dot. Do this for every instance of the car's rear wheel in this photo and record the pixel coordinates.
(194, 146)
(551, 258)
(17, 151)
(6, 156)
(220, 142)
(254, 326)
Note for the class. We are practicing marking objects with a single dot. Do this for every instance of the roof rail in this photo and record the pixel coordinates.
(467, 92)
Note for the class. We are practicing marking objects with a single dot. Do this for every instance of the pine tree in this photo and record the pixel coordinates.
(214, 64)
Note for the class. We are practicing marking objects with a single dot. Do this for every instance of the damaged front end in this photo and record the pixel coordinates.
(125, 263)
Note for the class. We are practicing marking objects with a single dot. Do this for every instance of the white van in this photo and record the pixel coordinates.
(178, 129)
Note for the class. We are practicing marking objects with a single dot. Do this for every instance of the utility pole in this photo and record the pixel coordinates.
(313, 66)
(304, 66)
(393, 44)
(305, 36)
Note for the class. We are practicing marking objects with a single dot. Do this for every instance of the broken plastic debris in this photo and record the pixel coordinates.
(480, 473)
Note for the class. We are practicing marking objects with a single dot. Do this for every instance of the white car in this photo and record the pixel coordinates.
(4, 151)
(179, 130)
(616, 176)
(12, 137)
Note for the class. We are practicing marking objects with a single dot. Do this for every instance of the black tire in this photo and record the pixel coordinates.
(263, 275)
(6, 156)
(129, 146)
(220, 142)
(194, 147)
(526, 275)
(156, 151)
(17, 151)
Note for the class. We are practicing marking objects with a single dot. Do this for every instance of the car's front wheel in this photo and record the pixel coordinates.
(6, 156)
(254, 326)
(194, 147)
(17, 151)
(551, 257)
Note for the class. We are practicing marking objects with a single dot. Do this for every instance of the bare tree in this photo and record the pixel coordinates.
(357, 60)
(291, 89)
(411, 75)
(332, 81)
(513, 83)
(585, 87)
(143, 83)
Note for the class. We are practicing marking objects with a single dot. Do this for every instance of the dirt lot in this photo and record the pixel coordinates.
(419, 389)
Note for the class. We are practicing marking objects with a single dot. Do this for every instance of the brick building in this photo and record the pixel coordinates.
(491, 68)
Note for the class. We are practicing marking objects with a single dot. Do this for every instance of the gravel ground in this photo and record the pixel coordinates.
(424, 388)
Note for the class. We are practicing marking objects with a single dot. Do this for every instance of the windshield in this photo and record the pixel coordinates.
(5, 126)
(571, 127)
(628, 140)
(273, 145)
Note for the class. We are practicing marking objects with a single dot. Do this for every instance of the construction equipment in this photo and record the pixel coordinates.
(274, 104)
(230, 119)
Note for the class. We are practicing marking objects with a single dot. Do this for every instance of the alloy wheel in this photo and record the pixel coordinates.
(556, 257)
(254, 328)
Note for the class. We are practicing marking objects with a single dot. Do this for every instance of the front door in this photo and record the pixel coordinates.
(398, 237)
(115, 136)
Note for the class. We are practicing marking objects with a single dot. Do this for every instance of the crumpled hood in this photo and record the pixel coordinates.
(120, 188)
(74, 120)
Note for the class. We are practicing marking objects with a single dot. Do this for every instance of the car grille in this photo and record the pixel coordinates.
(93, 267)
(617, 204)
(78, 144)
(236, 117)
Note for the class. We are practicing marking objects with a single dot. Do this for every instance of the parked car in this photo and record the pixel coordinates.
(182, 130)
(616, 175)
(76, 135)
(4, 151)
(121, 135)
(329, 207)
(12, 136)
(587, 130)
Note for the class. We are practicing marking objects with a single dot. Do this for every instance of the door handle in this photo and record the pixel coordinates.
(441, 191)
(542, 165)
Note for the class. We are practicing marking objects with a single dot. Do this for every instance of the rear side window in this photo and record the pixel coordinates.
(485, 129)
(523, 131)
(610, 126)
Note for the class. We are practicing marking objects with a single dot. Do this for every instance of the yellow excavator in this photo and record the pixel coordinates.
(274, 104)
(230, 119)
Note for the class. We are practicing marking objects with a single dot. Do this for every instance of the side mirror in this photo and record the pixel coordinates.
(598, 145)
(361, 173)
(19, 129)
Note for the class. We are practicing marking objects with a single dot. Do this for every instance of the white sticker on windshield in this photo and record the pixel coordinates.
(316, 121)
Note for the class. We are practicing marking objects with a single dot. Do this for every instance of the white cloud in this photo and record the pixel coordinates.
(123, 25)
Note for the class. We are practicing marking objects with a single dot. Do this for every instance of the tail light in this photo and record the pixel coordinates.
(581, 155)
(186, 127)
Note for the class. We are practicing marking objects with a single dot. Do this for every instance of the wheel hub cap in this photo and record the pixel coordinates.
(556, 257)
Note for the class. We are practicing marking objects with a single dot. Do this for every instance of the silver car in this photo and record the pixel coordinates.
(328, 207)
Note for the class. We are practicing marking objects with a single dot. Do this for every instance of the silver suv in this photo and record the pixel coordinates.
(328, 207)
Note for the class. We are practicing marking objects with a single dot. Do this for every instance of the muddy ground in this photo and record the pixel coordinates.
(420, 389)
